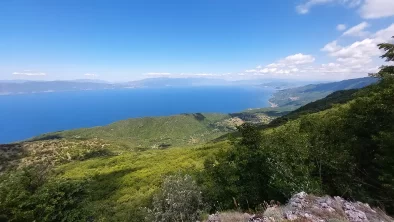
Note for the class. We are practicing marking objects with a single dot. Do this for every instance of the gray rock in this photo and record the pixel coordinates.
(291, 216)
(214, 218)
(318, 209)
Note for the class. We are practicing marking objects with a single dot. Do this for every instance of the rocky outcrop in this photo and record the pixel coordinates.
(312, 208)
(308, 208)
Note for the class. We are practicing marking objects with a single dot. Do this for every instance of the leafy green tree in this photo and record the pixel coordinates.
(389, 48)
(179, 200)
(386, 71)
(28, 195)
(259, 167)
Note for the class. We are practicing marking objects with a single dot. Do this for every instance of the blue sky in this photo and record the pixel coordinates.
(121, 40)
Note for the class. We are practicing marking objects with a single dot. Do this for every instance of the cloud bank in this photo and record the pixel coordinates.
(352, 60)
(29, 73)
(368, 9)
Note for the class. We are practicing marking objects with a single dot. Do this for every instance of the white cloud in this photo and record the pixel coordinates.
(204, 74)
(359, 49)
(358, 57)
(372, 9)
(158, 73)
(298, 59)
(308, 4)
(304, 8)
(385, 34)
(29, 73)
(287, 66)
(341, 27)
(353, 60)
(357, 30)
(90, 74)
(331, 47)
(368, 9)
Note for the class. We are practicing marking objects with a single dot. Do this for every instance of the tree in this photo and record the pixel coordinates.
(386, 71)
(179, 200)
(29, 195)
(389, 48)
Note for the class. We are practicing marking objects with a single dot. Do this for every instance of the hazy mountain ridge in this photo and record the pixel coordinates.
(296, 97)
(51, 86)
(8, 87)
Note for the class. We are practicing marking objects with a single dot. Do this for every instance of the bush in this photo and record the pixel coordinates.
(178, 200)
(27, 195)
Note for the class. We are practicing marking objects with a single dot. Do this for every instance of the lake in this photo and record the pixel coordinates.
(28, 115)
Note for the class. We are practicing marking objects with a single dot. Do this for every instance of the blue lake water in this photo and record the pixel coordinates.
(28, 115)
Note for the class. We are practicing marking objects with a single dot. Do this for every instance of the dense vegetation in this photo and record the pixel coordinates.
(346, 150)
(155, 132)
(167, 131)
(342, 145)
(118, 184)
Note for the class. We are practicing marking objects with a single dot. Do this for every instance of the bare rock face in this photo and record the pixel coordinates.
(308, 208)
(214, 218)
(311, 208)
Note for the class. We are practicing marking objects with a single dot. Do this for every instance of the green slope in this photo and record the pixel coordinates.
(155, 132)
(338, 97)
(119, 181)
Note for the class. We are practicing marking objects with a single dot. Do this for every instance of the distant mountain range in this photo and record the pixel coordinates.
(50, 86)
(8, 87)
(288, 94)
(299, 96)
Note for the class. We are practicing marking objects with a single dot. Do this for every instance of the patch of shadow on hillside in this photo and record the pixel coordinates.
(197, 116)
(46, 137)
(276, 113)
(97, 153)
(11, 155)
(225, 137)
(104, 186)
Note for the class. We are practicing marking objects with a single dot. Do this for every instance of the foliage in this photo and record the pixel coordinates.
(346, 150)
(123, 184)
(155, 132)
(52, 152)
(260, 166)
(28, 195)
(179, 199)
(386, 71)
(389, 48)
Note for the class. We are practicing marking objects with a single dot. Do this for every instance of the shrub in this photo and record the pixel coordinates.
(178, 200)
(28, 195)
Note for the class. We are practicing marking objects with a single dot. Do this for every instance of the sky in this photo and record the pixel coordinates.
(123, 40)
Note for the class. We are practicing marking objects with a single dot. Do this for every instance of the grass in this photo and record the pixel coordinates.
(120, 181)
(53, 152)
(168, 131)
(120, 185)
(155, 132)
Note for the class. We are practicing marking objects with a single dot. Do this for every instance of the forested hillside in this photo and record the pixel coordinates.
(166, 131)
(346, 150)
